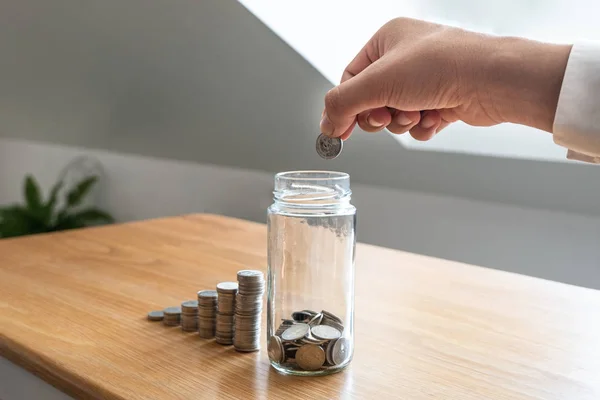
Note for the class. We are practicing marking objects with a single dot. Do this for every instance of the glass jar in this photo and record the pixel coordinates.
(310, 278)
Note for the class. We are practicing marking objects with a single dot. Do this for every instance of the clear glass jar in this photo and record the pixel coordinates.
(310, 278)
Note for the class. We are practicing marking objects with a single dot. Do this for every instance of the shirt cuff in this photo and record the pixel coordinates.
(577, 118)
(573, 155)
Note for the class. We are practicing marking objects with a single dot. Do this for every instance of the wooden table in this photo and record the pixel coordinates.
(73, 311)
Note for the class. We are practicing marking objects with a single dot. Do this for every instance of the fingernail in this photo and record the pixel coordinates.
(373, 122)
(402, 119)
(427, 122)
(326, 125)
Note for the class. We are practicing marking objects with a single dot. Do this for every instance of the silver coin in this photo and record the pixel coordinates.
(310, 357)
(301, 316)
(340, 351)
(207, 293)
(295, 332)
(329, 148)
(333, 324)
(172, 311)
(329, 351)
(328, 315)
(156, 315)
(246, 350)
(311, 312)
(189, 304)
(325, 332)
(283, 326)
(316, 320)
(207, 315)
(250, 274)
(227, 287)
(311, 340)
(275, 349)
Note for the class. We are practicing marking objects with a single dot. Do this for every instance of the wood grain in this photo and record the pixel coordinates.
(73, 307)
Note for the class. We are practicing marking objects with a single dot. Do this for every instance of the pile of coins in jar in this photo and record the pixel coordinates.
(309, 341)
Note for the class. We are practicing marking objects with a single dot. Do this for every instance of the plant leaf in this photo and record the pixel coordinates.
(53, 197)
(91, 215)
(76, 195)
(18, 221)
(81, 219)
(67, 222)
(33, 197)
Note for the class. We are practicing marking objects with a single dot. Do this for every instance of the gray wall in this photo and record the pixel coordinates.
(205, 81)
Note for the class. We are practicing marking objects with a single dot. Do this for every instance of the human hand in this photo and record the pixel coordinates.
(419, 77)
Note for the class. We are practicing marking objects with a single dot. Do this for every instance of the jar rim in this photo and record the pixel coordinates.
(312, 175)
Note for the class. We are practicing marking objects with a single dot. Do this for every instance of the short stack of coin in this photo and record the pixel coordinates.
(189, 316)
(207, 313)
(172, 316)
(225, 312)
(309, 341)
(248, 310)
(156, 315)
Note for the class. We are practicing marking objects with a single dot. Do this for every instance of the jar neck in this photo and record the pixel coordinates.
(312, 200)
(312, 190)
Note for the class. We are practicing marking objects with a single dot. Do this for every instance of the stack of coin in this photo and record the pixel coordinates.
(156, 315)
(225, 312)
(309, 341)
(172, 316)
(189, 316)
(248, 310)
(207, 313)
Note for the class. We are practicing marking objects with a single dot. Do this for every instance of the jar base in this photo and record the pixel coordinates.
(285, 370)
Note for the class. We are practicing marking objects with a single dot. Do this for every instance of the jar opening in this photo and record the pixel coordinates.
(312, 176)
(312, 187)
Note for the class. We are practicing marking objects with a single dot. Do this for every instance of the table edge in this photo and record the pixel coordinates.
(46, 369)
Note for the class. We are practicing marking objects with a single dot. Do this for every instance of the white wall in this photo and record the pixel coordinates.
(553, 245)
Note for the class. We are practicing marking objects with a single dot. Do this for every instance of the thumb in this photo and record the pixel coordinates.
(344, 102)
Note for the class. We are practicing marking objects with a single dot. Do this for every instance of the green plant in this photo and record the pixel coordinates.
(38, 216)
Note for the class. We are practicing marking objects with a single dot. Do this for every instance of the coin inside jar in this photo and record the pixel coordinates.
(275, 349)
(316, 320)
(330, 316)
(339, 352)
(325, 332)
(295, 332)
(301, 316)
(310, 357)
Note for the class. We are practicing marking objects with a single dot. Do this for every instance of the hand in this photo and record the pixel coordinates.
(420, 77)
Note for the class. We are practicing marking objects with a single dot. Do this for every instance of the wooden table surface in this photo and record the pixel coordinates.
(73, 311)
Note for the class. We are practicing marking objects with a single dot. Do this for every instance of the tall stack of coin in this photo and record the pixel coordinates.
(172, 316)
(248, 310)
(225, 312)
(310, 341)
(207, 313)
(189, 316)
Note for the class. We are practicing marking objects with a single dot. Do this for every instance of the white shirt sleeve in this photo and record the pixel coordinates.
(577, 119)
